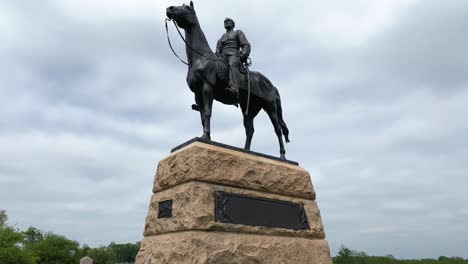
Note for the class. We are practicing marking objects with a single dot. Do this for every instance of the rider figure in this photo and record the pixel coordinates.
(236, 49)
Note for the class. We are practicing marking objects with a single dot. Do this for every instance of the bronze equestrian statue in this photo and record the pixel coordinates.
(209, 76)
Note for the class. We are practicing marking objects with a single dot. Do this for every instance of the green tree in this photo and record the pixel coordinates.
(84, 250)
(55, 249)
(125, 252)
(102, 255)
(11, 251)
(344, 256)
(3, 218)
(348, 256)
(15, 255)
(32, 235)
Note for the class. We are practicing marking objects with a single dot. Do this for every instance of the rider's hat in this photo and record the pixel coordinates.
(229, 19)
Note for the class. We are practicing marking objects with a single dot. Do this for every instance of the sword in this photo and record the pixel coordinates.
(247, 63)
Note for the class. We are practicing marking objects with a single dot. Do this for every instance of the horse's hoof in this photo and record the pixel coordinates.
(283, 157)
(206, 137)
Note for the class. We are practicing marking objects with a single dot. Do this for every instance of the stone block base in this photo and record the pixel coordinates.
(215, 204)
(200, 247)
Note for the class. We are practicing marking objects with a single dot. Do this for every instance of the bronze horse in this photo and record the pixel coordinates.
(204, 80)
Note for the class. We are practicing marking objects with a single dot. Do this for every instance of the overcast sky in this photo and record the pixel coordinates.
(375, 94)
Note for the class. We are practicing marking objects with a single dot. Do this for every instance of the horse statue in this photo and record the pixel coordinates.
(206, 79)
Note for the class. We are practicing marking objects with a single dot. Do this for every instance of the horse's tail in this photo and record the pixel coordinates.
(284, 128)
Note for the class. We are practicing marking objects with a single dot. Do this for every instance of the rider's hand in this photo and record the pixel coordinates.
(243, 57)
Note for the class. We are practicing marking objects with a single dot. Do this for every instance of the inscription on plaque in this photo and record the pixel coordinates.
(165, 209)
(240, 209)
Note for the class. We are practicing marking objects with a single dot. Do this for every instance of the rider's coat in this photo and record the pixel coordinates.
(234, 46)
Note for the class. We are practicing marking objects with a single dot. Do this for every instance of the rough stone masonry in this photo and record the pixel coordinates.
(187, 230)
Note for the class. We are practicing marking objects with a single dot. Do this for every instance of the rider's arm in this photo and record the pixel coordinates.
(244, 44)
(218, 46)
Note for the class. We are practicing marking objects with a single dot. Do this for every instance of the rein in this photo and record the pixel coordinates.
(170, 45)
(246, 65)
(183, 39)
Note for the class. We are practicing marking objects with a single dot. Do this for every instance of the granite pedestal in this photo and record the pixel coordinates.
(216, 204)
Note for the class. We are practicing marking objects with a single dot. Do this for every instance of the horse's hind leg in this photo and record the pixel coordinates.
(249, 131)
(249, 125)
(273, 114)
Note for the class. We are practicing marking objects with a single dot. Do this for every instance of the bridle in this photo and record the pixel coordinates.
(182, 37)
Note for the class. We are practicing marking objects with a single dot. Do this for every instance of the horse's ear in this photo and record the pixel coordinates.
(191, 5)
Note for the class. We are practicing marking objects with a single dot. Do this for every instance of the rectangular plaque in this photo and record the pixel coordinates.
(241, 209)
(165, 209)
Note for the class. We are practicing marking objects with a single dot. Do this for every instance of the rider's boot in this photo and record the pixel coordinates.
(195, 107)
(233, 87)
(234, 91)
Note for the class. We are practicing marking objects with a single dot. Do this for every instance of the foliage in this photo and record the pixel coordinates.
(113, 253)
(32, 235)
(125, 252)
(348, 256)
(51, 248)
(11, 251)
(32, 246)
(102, 255)
(3, 218)
(15, 255)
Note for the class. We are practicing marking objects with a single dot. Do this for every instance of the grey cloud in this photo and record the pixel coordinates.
(90, 110)
(426, 50)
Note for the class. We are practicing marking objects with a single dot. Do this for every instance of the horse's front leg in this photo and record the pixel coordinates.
(207, 92)
(200, 109)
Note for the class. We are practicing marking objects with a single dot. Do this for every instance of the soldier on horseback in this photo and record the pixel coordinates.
(235, 48)
(206, 72)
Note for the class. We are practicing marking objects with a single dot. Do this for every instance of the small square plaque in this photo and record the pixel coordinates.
(165, 209)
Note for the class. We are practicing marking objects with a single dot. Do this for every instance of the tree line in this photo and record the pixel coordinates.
(32, 246)
(349, 256)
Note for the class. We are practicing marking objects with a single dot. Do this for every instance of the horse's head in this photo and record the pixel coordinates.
(183, 15)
